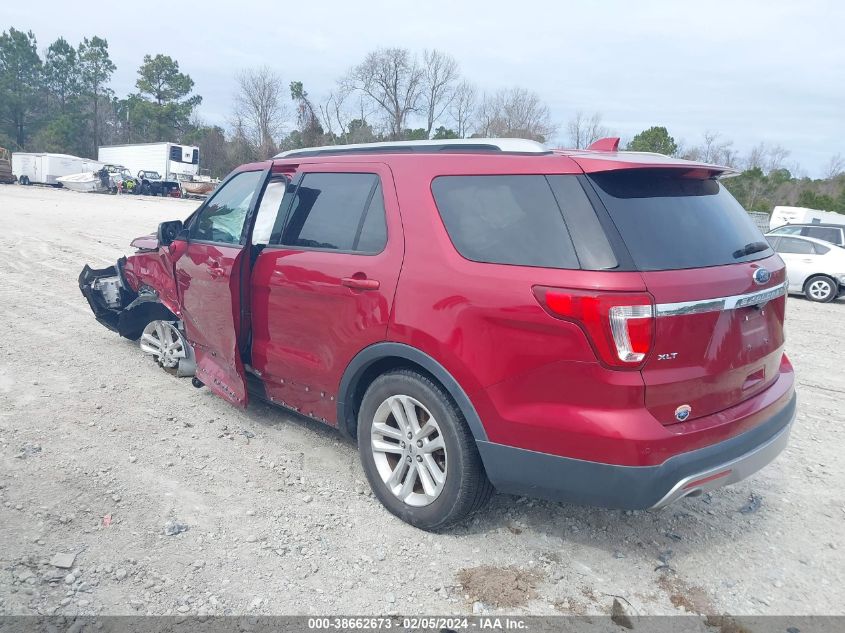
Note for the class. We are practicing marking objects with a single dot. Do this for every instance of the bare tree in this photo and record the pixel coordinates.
(440, 76)
(714, 149)
(583, 129)
(514, 113)
(462, 108)
(259, 111)
(393, 80)
(835, 166)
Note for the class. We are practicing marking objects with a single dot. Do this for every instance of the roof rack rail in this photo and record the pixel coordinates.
(502, 145)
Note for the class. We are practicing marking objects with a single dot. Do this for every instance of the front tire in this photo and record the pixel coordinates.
(820, 289)
(418, 453)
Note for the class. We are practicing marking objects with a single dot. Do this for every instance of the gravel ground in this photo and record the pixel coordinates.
(170, 501)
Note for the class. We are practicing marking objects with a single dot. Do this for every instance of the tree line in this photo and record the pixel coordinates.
(62, 102)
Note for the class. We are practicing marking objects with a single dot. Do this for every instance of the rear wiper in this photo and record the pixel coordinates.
(750, 249)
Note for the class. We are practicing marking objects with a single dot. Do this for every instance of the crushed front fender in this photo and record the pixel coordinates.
(116, 305)
(106, 292)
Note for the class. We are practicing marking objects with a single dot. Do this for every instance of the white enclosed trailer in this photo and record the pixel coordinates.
(803, 215)
(171, 160)
(44, 168)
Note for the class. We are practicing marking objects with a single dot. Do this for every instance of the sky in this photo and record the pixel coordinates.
(771, 71)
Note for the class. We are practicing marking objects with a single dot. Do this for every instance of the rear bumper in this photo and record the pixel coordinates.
(519, 471)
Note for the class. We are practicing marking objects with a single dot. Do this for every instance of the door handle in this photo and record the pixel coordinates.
(807, 261)
(360, 283)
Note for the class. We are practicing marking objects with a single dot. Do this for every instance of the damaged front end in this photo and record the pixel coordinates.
(124, 304)
(108, 295)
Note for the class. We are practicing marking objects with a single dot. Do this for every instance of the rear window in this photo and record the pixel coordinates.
(504, 220)
(668, 222)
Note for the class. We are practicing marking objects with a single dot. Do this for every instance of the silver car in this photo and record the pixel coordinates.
(814, 268)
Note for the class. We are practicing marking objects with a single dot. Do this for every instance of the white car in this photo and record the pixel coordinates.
(814, 268)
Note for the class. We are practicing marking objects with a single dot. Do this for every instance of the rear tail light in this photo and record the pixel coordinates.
(619, 325)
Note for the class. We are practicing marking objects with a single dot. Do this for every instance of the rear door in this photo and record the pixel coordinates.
(802, 259)
(717, 285)
(209, 283)
(322, 289)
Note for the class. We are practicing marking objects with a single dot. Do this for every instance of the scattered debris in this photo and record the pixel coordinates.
(171, 528)
(107, 520)
(618, 615)
(28, 450)
(63, 560)
(754, 503)
(664, 558)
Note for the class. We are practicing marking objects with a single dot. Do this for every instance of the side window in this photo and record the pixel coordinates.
(269, 209)
(826, 233)
(372, 236)
(222, 219)
(591, 245)
(338, 211)
(798, 247)
(504, 220)
(821, 250)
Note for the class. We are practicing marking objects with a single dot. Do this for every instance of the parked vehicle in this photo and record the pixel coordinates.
(814, 268)
(593, 326)
(44, 168)
(833, 233)
(151, 183)
(6, 176)
(172, 161)
(802, 215)
(86, 182)
(104, 180)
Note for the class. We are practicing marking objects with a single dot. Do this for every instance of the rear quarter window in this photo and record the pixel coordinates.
(504, 219)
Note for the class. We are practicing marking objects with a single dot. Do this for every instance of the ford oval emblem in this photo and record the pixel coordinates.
(761, 276)
(682, 412)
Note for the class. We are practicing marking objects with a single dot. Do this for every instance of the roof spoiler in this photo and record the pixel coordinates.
(609, 144)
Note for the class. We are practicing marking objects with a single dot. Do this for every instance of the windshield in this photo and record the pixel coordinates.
(669, 222)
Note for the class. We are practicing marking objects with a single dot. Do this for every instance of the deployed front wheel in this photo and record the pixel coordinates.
(418, 453)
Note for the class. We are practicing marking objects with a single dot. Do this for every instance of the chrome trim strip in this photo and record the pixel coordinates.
(720, 303)
(739, 468)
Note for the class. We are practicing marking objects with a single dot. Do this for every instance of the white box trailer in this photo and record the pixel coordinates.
(803, 215)
(171, 160)
(44, 168)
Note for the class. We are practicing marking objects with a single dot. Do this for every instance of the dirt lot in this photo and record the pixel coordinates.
(103, 453)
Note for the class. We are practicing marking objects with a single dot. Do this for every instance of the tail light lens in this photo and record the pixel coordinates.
(619, 325)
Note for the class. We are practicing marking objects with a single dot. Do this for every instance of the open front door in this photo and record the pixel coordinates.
(210, 279)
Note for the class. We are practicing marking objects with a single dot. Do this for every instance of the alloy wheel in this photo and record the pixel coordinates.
(165, 343)
(409, 450)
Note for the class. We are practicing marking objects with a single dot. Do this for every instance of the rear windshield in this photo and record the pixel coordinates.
(669, 222)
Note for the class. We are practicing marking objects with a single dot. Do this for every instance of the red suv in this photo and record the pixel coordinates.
(593, 326)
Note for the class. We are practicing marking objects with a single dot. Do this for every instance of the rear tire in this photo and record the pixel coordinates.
(444, 480)
(821, 289)
(24, 180)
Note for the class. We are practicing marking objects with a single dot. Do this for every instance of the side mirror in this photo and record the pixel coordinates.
(168, 232)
